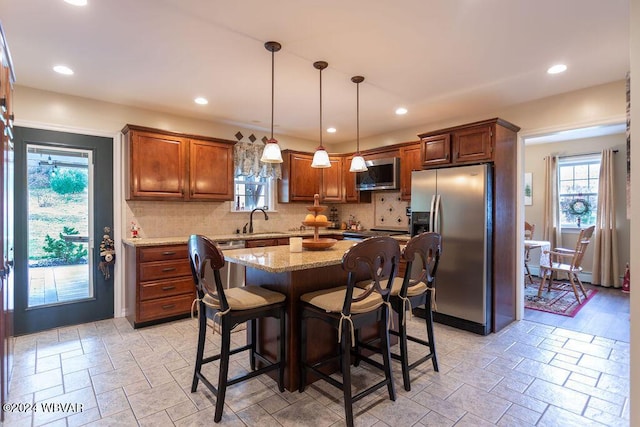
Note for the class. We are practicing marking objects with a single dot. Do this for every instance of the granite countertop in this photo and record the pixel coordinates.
(279, 259)
(179, 240)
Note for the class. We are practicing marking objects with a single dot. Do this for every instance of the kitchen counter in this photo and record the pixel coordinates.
(278, 259)
(176, 240)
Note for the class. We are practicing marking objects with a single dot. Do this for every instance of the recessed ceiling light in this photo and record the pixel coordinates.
(77, 2)
(200, 100)
(558, 68)
(331, 130)
(400, 111)
(63, 69)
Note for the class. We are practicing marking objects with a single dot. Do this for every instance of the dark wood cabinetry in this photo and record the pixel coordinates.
(169, 166)
(410, 160)
(210, 170)
(436, 150)
(465, 144)
(299, 180)
(473, 144)
(332, 184)
(159, 283)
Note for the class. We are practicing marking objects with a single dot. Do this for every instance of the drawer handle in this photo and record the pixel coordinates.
(168, 288)
(167, 253)
(166, 270)
(168, 306)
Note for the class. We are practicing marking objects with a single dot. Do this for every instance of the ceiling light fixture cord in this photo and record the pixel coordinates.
(321, 107)
(321, 157)
(358, 163)
(272, 152)
(272, 87)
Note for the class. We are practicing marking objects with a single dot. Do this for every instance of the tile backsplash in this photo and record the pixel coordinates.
(390, 211)
(169, 219)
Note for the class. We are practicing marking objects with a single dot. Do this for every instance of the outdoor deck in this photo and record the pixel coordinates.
(64, 283)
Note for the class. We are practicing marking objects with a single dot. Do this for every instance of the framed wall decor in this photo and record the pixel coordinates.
(528, 190)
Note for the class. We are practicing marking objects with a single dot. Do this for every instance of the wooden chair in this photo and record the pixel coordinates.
(571, 266)
(349, 308)
(409, 292)
(528, 235)
(230, 308)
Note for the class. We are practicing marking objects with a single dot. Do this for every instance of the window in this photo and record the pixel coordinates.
(578, 190)
(253, 192)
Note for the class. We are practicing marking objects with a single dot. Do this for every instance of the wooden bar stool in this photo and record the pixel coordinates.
(408, 293)
(230, 308)
(349, 308)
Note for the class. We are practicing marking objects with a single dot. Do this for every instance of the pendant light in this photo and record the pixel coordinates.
(321, 157)
(357, 163)
(271, 152)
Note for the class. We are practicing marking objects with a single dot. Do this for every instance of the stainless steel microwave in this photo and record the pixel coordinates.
(381, 174)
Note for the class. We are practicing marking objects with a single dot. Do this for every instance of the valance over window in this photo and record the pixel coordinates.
(246, 161)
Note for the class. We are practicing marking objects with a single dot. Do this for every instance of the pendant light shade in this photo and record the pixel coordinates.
(357, 163)
(321, 157)
(271, 152)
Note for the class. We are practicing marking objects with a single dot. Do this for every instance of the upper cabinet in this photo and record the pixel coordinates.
(470, 143)
(299, 180)
(170, 166)
(332, 185)
(210, 170)
(410, 160)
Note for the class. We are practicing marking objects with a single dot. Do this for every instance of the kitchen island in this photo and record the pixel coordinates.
(294, 274)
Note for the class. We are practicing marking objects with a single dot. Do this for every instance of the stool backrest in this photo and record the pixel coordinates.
(203, 253)
(425, 249)
(375, 259)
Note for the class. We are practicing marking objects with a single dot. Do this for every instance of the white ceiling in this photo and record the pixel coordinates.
(441, 59)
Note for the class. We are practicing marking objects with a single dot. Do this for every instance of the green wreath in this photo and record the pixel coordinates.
(579, 208)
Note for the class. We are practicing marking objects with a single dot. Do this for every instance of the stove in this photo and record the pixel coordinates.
(363, 234)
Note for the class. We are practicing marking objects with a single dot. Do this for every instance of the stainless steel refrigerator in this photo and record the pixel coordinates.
(458, 204)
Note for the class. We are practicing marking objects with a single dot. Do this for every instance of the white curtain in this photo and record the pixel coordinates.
(605, 246)
(551, 230)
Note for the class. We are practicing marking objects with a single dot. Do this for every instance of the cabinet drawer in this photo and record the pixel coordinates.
(261, 243)
(166, 288)
(165, 307)
(160, 253)
(164, 270)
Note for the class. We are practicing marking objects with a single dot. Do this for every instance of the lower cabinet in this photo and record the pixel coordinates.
(159, 285)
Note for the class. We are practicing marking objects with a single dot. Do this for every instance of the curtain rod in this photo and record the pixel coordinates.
(581, 155)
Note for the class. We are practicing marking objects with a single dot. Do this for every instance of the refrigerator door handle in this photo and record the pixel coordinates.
(437, 224)
(432, 213)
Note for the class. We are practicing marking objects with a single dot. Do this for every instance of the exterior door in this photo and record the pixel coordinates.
(63, 202)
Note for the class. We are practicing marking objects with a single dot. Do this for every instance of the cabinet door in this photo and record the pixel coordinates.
(158, 166)
(473, 144)
(410, 160)
(350, 191)
(304, 181)
(210, 170)
(436, 150)
(332, 190)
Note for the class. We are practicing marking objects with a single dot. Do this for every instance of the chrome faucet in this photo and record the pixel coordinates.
(266, 218)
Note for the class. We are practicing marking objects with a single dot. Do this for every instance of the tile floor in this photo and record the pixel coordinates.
(113, 375)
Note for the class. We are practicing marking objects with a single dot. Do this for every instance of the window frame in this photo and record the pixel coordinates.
(270, 197)
(573, 161)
